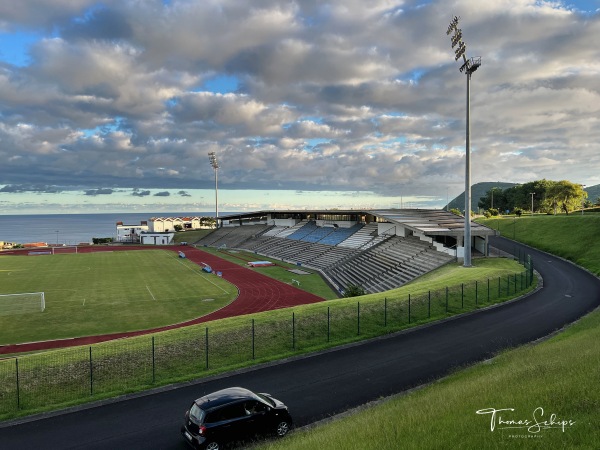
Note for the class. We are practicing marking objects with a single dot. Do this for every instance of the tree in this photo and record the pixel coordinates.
(567, 196)
(178, 227)
(353, 290)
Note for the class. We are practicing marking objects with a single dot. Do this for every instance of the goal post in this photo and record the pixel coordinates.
(64, 249)
(22, 303)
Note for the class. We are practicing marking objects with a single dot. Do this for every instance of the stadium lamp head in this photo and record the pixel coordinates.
(212, 157)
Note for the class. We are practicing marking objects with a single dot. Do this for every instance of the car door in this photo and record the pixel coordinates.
(256, 422)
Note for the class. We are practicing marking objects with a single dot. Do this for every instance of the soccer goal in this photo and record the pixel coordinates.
(22, 303)
(64, 249)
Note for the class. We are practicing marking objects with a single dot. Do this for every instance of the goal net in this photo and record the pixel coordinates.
(24, 303)
(64, 249)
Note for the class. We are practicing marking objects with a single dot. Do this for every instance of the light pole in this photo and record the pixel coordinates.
(469, 66)
(582, 198)
(212, 157)
(532, 194)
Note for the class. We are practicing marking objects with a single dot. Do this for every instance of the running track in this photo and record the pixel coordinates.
(256, 293)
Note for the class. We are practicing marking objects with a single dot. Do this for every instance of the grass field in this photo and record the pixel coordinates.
(105, 292)
(561, 375)
(312, 283)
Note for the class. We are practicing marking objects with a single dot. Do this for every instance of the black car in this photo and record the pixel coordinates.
(231, 415)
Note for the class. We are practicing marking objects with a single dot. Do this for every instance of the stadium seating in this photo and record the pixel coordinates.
(355, 255)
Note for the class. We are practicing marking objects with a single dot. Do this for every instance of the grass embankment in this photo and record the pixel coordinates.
(560, 375)
(573, 237)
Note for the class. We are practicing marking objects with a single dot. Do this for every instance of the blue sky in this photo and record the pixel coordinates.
(114, 105)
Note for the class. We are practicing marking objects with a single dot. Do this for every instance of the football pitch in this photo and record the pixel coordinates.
(106, 292)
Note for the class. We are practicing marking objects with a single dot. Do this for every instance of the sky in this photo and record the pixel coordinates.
(114, 105)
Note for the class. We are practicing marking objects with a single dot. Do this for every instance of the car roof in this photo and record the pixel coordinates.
(225, 396)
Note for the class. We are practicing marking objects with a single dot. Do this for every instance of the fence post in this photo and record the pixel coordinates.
(408, 308)
(499, 290)
(476, 292)
(488, 297)
(429, 305)
(462, 295)
(385, 312)
(328, 324)
(91, 374)
(206, 346)
(253, 352)
(358, 318)
(446, 299)
(293, 331)
(18, 385)
(153, 363)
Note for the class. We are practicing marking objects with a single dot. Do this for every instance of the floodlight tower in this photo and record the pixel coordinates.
(469, 66)
(212, 157)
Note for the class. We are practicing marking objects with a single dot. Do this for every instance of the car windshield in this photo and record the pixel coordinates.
(266, 399)
(196, 413)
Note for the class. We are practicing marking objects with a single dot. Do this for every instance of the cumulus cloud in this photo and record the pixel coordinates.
(329, 95)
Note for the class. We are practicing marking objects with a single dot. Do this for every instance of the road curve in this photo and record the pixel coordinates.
(331, 382)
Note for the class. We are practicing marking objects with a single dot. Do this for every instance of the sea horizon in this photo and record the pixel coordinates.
(76, 228)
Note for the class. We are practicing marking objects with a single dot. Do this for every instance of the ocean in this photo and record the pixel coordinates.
(71, 229)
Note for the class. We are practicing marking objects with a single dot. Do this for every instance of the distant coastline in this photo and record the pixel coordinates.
(71, 229)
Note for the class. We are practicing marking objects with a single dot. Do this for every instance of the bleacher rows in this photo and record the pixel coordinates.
(355, 255)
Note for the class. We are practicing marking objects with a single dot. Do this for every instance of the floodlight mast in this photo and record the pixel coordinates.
(469, 66)
(212, 157)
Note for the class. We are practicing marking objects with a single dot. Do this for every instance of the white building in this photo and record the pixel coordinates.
(130, 233)
(165, 224)
(153, 238)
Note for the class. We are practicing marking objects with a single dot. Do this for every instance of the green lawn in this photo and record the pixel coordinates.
(312, 283)
(104, 292)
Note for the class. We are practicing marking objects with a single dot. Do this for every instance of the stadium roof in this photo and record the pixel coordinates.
(433, 222)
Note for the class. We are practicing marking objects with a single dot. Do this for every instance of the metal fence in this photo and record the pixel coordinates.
(74, 375)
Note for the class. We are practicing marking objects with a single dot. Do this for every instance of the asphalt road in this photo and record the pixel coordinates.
(319, 386)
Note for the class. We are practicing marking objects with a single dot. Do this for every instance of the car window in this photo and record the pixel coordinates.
(196, 413)
(254, 407)
(226, 413)
(267, 399)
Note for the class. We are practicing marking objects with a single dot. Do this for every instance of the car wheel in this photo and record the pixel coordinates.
(212, 446)
(282, 428)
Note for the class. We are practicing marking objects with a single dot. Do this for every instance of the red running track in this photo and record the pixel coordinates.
(257, 293)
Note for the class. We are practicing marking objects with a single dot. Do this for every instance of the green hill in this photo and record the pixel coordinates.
(477, 191)
(480, 189)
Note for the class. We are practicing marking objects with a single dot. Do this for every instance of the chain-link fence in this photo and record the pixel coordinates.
(47, 380)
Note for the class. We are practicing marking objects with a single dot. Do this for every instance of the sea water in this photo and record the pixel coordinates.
(72, 229)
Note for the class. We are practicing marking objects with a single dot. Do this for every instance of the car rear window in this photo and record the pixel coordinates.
(197, 414)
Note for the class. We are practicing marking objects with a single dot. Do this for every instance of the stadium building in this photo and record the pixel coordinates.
(375, 249)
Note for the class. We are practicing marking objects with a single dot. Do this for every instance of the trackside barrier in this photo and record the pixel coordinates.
(75, 375)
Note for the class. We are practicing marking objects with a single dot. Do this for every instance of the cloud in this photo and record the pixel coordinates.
(21, 188)
(332, 96)
(140, 193)
(102, 191)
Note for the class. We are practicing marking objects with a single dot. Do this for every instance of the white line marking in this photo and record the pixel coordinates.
(147, 287)
(83, 302)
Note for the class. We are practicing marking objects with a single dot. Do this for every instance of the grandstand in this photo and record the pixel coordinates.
(375, 249)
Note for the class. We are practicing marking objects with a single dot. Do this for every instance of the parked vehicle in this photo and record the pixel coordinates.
(233, 414)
